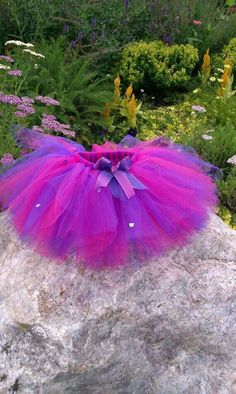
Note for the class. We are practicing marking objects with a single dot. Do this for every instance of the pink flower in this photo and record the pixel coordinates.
(49, 117)
(10, 99)
(49, 122)
(7, 159)
(27, 100)
(15, 73)
(70, 133)
(21, 114)
(197, 22)
(39, 129)
(7, 58)
(28, 109)
(65, 126)
(47, 100)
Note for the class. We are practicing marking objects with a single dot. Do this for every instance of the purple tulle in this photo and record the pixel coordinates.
(113, 205)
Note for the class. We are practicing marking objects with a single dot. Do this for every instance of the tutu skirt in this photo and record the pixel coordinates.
(115, 204)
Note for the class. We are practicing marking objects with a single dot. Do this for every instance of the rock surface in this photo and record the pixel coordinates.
(166, 328)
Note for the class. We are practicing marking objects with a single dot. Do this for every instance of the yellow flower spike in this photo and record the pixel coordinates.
(129, 91)
(132, 105)
(206, 65)
(226, 80)
(117, 81)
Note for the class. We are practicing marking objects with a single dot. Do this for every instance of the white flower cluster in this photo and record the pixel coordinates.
(3, 67)
(232, 160)
(19, 43)
(39, 55)
(207, 137)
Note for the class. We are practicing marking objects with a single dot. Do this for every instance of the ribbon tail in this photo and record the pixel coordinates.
(103, 179)
(124, 182)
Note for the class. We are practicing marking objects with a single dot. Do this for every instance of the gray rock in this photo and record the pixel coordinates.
(168, 327)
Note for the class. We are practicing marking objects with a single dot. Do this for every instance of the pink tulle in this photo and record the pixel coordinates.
(57, 208)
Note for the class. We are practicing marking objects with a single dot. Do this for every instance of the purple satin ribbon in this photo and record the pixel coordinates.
(126, 180)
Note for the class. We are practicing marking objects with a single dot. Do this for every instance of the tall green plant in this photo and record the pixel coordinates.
(82, 91)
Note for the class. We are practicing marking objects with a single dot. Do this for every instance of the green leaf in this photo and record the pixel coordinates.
(230, 3)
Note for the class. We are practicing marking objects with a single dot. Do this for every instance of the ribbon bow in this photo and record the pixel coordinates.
(120, 173)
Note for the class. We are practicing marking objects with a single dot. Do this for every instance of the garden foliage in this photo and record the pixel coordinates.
(154, 66)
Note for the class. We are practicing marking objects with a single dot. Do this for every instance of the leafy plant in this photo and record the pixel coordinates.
(82, 91)
(155, 66)
(177, 122)
(227, 188)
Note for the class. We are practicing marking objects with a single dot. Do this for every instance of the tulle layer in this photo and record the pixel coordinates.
(56, 206)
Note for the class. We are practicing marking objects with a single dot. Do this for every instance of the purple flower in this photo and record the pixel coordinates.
(70, 133)
(73, 44)
(7, 58)
(49, 122)
(198, 108)
(16, 73)
(27, 100)
(167, 39)
(39, 129)
(126, 4)
(65, 126)
(21, 114)
(79, 37)
(7, 159)
(49, 117)
(28, 109)
(93, 37)
(47, 100)
(10, 99)
(94, 22)
(66, 28)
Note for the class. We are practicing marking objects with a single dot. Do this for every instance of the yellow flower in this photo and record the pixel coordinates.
(132, 105)
(129, 91)
(225, 78)
(206, 65)
(117, 86)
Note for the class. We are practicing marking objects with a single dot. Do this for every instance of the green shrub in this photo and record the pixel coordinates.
(153, 65)
(218, 149)
(176, 122)
(228, 217)
(227, 188)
